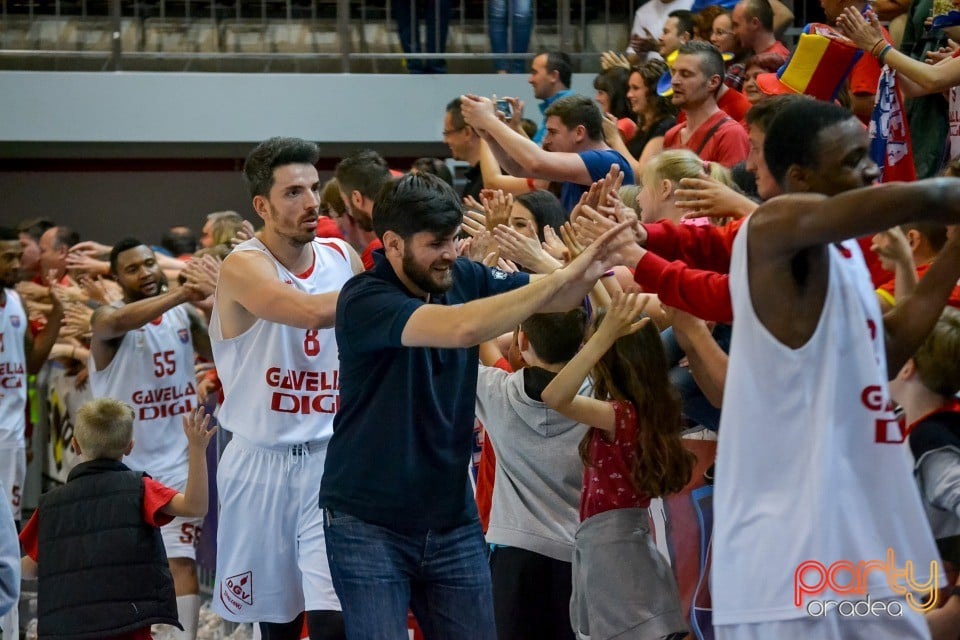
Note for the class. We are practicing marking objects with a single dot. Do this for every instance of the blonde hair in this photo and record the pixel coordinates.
(676, 164)
(938, 358)
(104, 428)
(224, 225)
(628, 195)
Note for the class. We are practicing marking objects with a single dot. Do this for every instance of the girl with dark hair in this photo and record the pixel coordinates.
(533, 211)
(611, 87)
(633, 452)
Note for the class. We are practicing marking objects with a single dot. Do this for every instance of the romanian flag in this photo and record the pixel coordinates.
(818, 66)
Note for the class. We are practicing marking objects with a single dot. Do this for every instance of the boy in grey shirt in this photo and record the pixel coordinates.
(536, 492)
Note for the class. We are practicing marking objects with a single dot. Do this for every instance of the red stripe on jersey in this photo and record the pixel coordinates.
(306, 274)
(335, 247)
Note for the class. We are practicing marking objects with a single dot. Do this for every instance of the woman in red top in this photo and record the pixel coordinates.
(622, 586)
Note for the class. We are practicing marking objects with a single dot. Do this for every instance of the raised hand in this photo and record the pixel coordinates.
(554, 246)
(473, 223)
(244, 233)
(524, 250)
(91, 248)
(199, 277)
(622, 317)
(497, 208)
(613, 59)
(704, 197)
(195, 427)
(865, 35)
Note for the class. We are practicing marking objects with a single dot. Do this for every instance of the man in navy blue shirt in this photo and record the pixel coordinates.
(401, 524)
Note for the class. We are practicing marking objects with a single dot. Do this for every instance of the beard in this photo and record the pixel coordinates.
(424, 277)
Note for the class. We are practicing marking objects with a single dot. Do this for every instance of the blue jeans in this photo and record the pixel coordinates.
(380, 573)
(695, 404)
(520, 21)
(436, 15)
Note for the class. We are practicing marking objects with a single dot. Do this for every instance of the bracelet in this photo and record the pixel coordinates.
(876, 47)
(609, 274)
(884, 52)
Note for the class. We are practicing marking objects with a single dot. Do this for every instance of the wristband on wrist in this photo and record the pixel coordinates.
(609, 274)
(875, 49)
(884, 52)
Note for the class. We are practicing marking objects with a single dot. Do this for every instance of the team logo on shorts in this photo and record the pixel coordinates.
(237, 591)
(15, 321)
(184, 335)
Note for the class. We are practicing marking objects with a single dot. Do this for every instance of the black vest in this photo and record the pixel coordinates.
(102, 570)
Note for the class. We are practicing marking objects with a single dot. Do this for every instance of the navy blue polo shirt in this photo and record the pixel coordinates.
(402, 439)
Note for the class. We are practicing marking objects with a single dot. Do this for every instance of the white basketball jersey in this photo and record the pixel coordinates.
(280, 383)
(153, 372)
(811, 462)
(13, 371)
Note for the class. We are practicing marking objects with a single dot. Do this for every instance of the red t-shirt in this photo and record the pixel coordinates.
(886, 289)
(327, 228)
(155, 497)
(487, 471)
(608, 479)
(777, 47)
(367, 256)
(728, 145)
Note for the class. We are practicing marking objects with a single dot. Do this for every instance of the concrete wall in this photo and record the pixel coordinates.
(66, 138)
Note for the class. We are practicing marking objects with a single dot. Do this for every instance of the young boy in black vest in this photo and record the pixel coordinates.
(104, 573)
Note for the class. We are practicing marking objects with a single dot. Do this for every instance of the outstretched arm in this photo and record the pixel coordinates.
(493, 176)
(194, 500)
(38, 348)
(869, 37)
(533, 161)
(909, 323)
(788, 224)
(466, 325)
(561, 394)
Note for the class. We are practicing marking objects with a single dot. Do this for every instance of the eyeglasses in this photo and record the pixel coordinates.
(450, 132)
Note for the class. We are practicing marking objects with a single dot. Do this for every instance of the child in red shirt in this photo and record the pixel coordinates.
(103, 527)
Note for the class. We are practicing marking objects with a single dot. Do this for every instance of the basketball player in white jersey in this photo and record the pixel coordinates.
(20, 354)
(142, 353)
(276, 354)
(813, 478)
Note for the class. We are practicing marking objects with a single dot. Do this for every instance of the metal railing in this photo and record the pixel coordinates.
(341, 36)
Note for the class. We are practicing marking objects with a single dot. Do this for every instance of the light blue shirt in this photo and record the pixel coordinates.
(542, 130)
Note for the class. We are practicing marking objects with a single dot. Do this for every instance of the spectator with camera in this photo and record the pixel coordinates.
(574, 152)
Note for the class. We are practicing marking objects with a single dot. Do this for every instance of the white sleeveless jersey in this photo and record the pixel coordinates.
(13, 371)
(811, 462)
(280, 383)
(153, 372)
